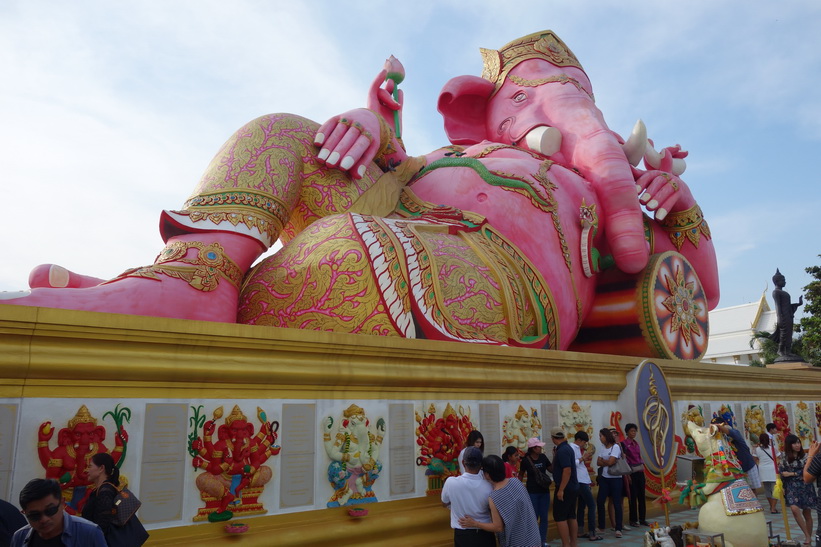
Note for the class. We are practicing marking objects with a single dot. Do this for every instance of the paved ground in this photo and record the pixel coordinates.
(680, 516)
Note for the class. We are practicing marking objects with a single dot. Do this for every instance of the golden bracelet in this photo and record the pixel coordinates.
(42, 444)
(386, 147)
(688, 224)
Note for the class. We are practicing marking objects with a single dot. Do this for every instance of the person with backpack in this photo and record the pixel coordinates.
(100, 505)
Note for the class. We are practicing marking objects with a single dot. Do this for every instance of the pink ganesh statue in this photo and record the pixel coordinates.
(529, 229)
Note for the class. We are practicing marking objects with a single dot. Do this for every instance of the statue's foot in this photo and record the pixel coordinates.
(56, 277)
(220, 516)
(196, 276)
(164, 297)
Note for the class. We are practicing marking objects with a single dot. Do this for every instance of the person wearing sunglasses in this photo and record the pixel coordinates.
(49, 524)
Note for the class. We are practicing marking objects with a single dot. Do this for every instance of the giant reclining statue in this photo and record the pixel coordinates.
(535, 227)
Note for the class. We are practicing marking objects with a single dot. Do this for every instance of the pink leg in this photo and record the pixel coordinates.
(156, 293)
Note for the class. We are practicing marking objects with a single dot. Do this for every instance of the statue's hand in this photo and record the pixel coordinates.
(209, 427)
(380, 96)
(349, 141)
(46, 432)
(662, 192)
(196, 444)
(121, 437)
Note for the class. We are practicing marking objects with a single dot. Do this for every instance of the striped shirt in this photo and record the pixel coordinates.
(514, 506)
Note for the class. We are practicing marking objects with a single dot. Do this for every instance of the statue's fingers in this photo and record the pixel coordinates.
(343, 146)
(324, 130)
(666, 205)
(358, 155)
(333, 139)
(663, 187)
(643, 182)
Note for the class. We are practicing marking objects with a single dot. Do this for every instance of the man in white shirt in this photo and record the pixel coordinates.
(772, 431)
(585, 499)
(468, 495)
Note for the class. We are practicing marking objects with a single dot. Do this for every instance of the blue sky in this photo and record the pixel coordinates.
(109, 112)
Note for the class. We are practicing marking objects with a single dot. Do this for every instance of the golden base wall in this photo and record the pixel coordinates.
(52, 362)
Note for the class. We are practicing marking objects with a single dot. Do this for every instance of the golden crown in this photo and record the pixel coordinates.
(236, 414)
(353, 410)
(83, 416)
(539, 45)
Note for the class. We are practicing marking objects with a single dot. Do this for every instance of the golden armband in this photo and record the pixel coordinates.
(687, 224)
(42, 444)
(386, 147)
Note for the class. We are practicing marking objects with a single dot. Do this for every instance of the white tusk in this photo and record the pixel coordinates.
(653, 159)
(545, 140)
(635, 145)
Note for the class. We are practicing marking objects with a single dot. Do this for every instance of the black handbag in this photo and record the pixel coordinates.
(131, 534)
(542, 479)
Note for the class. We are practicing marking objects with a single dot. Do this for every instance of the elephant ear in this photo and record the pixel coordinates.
(463, 104)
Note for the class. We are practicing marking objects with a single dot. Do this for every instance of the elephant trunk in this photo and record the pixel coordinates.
(590, 146)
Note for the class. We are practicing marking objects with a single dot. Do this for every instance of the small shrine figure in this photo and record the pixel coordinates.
(76, 444)
(440, 440)
(234, 472)
(354, 454)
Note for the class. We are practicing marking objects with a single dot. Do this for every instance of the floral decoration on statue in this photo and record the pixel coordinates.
(354, 454)
(81, 439)
(517, 429)
(235, 474)
(440, 439)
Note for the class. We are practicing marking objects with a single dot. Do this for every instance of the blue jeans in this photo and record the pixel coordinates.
(586, 500)
(541, 505)
(610, 488)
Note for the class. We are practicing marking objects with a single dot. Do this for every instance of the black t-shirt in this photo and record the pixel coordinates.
(542, 465)
(37, 541)
(565, 459)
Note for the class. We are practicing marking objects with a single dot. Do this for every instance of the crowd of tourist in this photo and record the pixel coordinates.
(511, 496)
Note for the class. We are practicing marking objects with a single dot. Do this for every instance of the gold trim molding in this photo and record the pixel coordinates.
(48, 352)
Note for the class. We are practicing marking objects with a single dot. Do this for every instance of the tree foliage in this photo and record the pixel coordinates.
(810, 325)
(768, 348)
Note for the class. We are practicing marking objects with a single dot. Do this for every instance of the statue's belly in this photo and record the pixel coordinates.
(534, 204)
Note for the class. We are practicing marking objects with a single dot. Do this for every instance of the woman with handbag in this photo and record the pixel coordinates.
(535, 465)
(767, 468)
(100, 505)
(610, 484)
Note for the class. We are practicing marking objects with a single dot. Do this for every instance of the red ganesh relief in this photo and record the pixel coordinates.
(235, 474)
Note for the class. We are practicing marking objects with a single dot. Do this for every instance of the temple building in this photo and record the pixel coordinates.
(732, 328)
